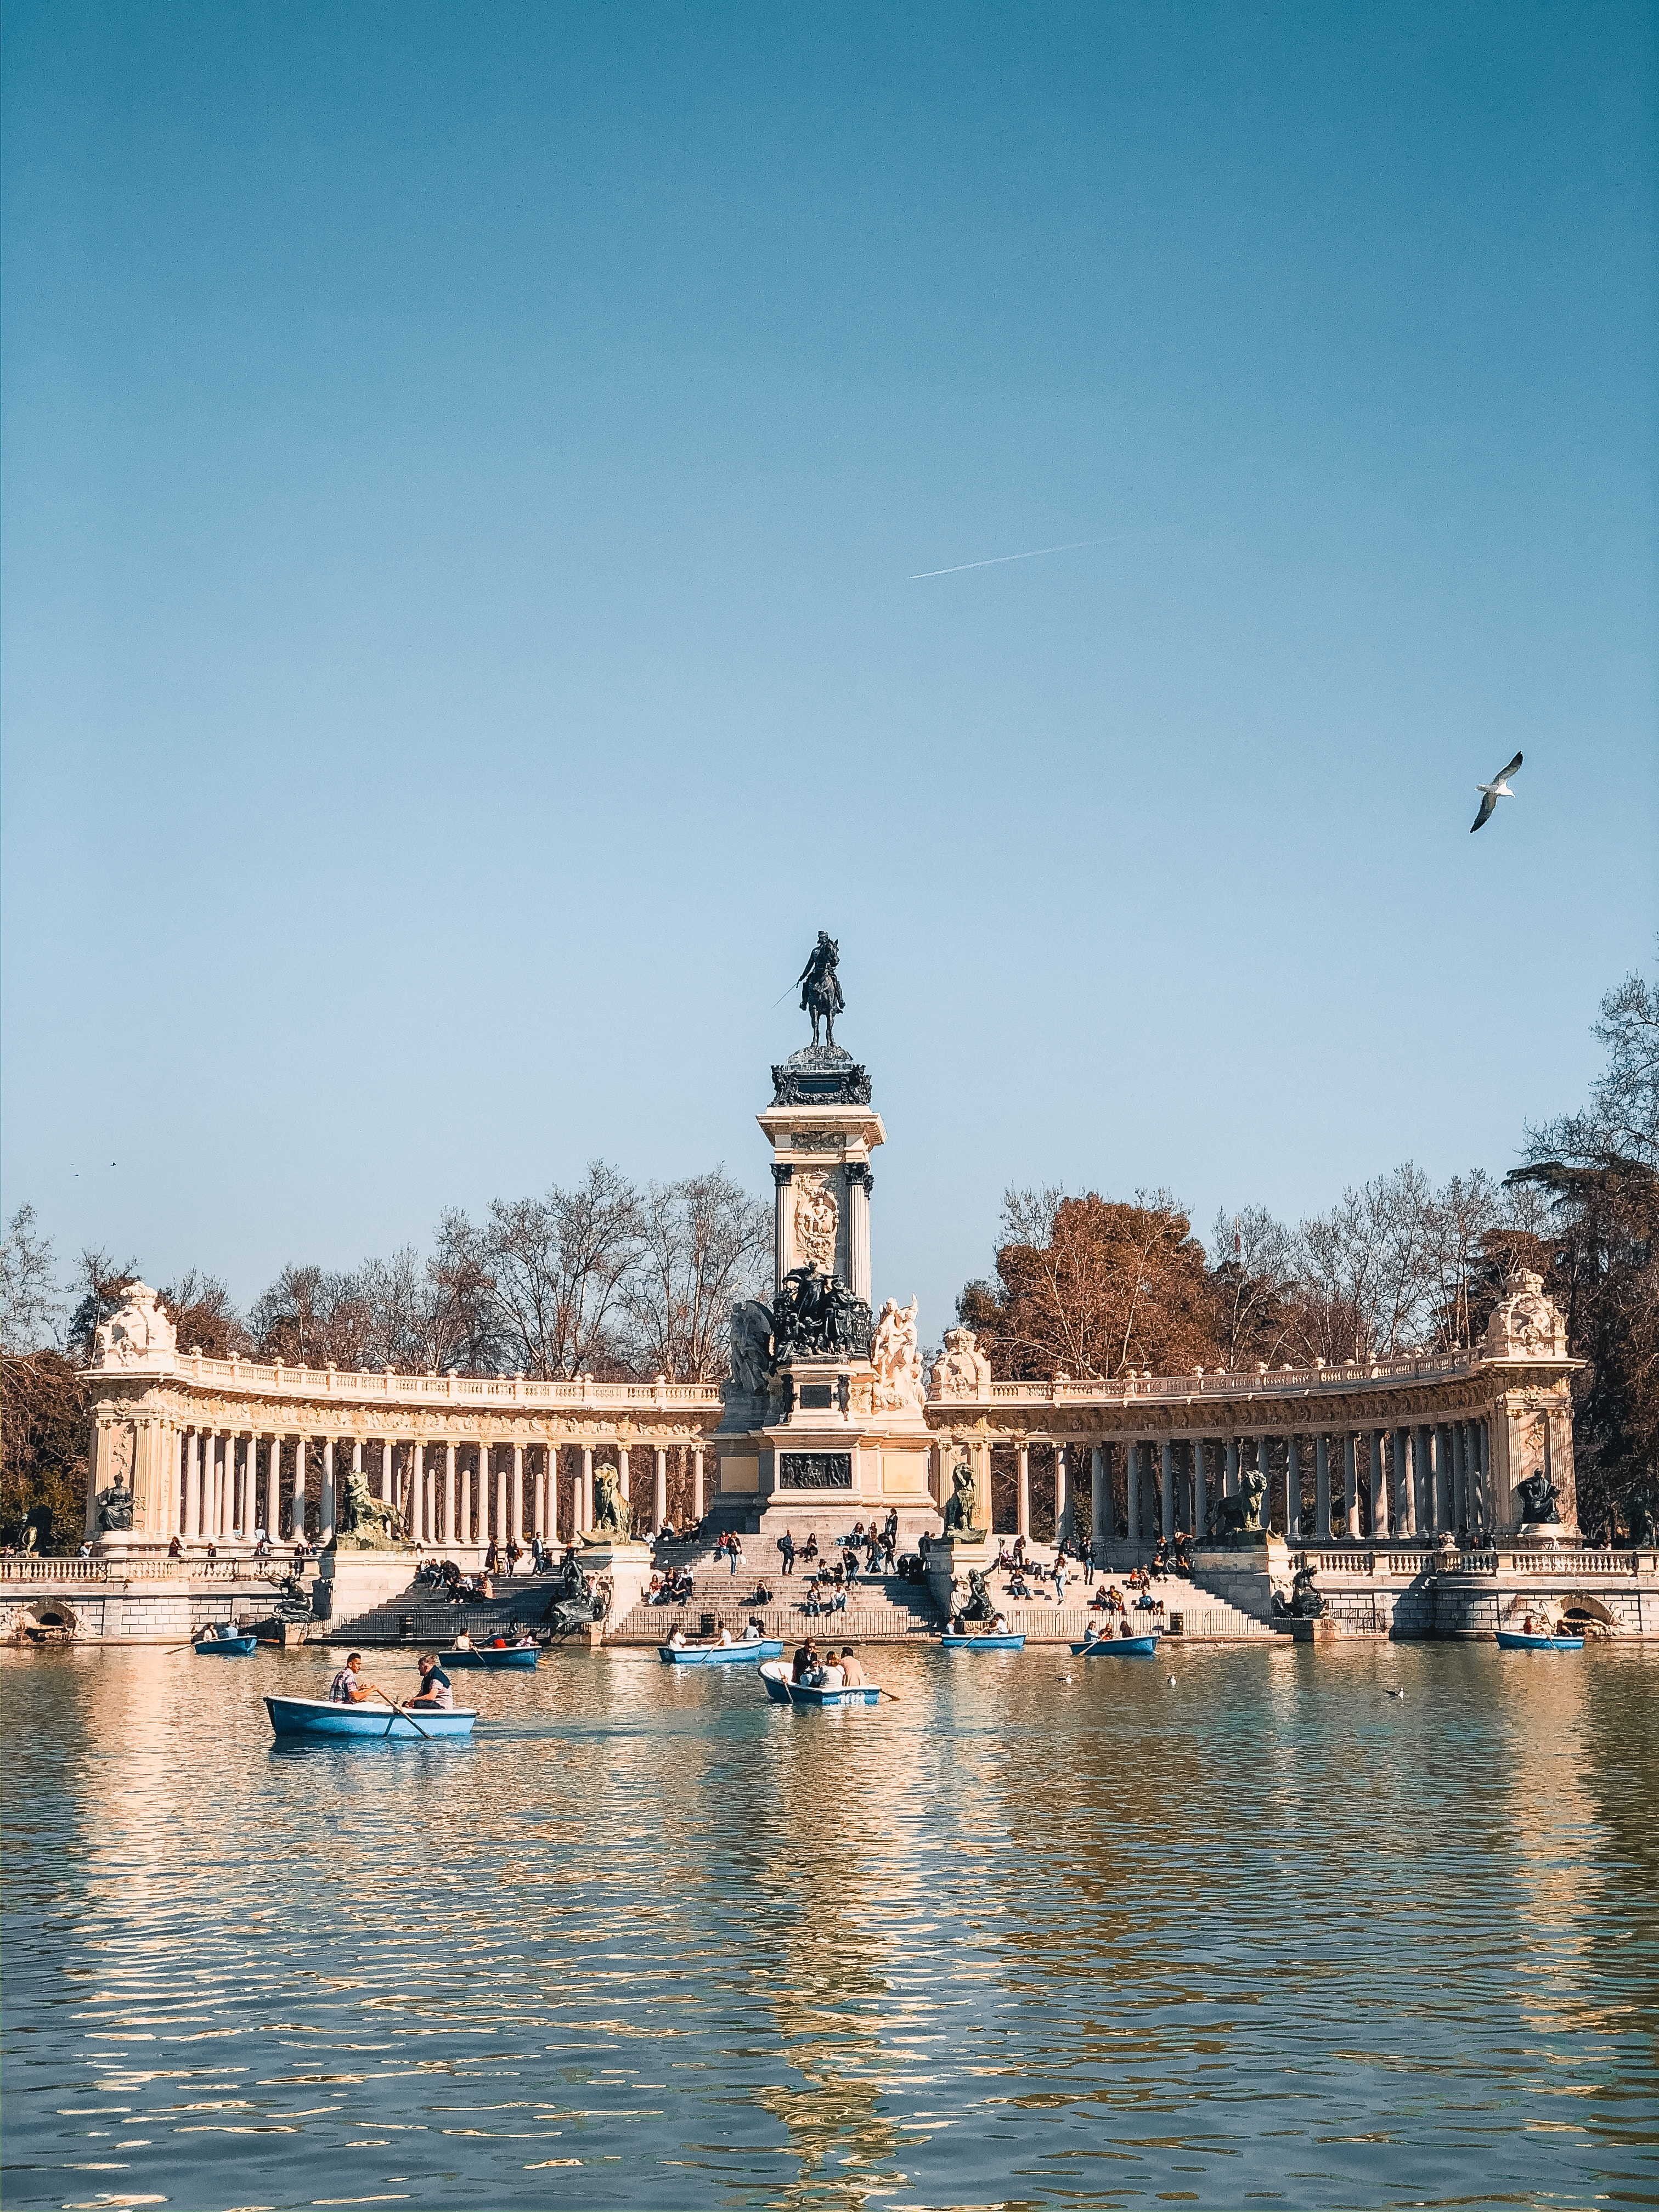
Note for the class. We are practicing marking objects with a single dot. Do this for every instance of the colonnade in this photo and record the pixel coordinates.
(447, 1491)
(1402, 1482)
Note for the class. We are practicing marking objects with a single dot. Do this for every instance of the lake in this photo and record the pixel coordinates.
(1266, 1937)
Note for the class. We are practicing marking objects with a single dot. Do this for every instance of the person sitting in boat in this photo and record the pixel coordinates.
(958, 1622)
(754, 1633)
(724, 1639)
(829, 1676)
(434, 1692)
(999, 1624)
(463, 1642)
(348, 1688)
(851, 1673)
(1091, 1632)
(805, 1659)
(1528, 1627)
(1126, 1626)
(676, 1639)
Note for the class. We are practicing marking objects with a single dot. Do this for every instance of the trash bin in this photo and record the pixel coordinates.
(706, 1624)
(1177, 1624)
(406, 1627)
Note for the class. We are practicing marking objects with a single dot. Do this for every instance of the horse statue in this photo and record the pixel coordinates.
(610, 1509)
(820, 987)
(1537, 1499)
(1241, 1515)
(963, 1498)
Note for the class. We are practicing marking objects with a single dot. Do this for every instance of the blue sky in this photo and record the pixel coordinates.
(462, 470)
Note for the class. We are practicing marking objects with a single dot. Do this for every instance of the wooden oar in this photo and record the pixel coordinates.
(397, 1709)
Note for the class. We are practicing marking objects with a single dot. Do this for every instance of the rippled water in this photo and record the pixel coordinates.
(1267, 1937)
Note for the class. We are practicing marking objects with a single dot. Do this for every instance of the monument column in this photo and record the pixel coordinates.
(1098, 1502)
(1350, 1485)
(297, 1506)
(1168, 1488)
(860, 1184)
(585, 1502)
(416, 1491)
(1131, 1488)
(326, 1503)
(1405, 1521)
(1379, 1487)
(449, 1490)
(622, 1471)
(782, 1175)
(1062, 1493)
(659, 1489)
(1023, 1499)
(1198, 1488)
(1322, 1488)
(515, 1524)
(1293, 1492)
(1230, 1479)
(697, 1506)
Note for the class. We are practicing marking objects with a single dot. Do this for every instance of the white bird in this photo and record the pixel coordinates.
(1496, 789)
(1172, 1681)
(1396, 1693)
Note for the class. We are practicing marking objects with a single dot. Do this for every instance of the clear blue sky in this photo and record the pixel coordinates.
(462, 470)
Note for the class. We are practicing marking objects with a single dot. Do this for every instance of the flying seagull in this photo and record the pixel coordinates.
(1496, 789)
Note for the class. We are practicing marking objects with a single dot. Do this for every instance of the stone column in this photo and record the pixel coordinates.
(1131, 1488)
(660, 1488)
(546, 1516)
(622, 1472)
(1321, 1489)
(1168, 1487)
(1100, 1505)
(449, 1490)
(1459, 1473)
(1293, 1492)
(1023, 1502)
(1199, 1500)
(1422, 1481)
(499, 1528)
(1379, 1487)
(1405, 1516)
(1062, 1493)
(697, 1506)
(860, 1184)
(1480, 1515)
(585, 1502)
(515, 1510)
(1230, 1480)
(782, 1173)
(297, 1505)
(1350, 1483)
(416, 1519)
(325, 1503)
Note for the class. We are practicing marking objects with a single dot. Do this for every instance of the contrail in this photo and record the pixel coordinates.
(996, 561)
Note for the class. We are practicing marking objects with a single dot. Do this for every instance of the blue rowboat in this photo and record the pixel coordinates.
(225, 1647)
(982, 1642)
(1117, 1647)
(782, 1692)
(370, 1721)
(720, 1654)
(1511, 1639)
(484, 1655)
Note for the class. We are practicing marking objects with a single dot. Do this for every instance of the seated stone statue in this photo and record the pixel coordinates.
(964, 1498)
(610, 1509)
(1537, 1499)
(115, 1509)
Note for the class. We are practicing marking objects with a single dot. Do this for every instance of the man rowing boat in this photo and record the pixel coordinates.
(348, 1688)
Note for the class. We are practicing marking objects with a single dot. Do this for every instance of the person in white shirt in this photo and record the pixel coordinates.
(677, 1640)
(725, 1637)
(832, 1678)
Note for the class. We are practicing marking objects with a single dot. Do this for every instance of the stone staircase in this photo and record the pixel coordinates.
(879, 1607)
(420, 1617)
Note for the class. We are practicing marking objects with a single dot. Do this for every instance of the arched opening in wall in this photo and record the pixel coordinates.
(48, 1620)
(1587, 1616)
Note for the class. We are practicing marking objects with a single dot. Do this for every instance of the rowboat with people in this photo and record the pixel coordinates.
(1007, 1641)
(1116, 1647)
(1516, 1639)
(322, 1716)
(491, 1655)
(782, 1692)
(739, 1653)
(222, 1642)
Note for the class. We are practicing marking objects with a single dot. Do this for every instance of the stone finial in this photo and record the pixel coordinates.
(962, 1370)
(139, 1333)
(1526, 1322)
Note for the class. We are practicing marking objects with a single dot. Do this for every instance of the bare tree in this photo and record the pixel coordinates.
(557, 1266)
(31, 1302)
(200, 1309)
(1256, 1278)
(705, 1244)
(312, 1317)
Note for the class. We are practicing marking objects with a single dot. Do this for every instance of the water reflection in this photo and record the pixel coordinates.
(1269, 1935)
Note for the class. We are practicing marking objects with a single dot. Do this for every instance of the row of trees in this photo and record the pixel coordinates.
(1093, 1286)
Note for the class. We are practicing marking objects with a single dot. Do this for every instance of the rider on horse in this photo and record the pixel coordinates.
(820, 988)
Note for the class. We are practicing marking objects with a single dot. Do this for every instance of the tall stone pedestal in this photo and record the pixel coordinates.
(626, 1561)
(951, 1559)
(1244, 1571)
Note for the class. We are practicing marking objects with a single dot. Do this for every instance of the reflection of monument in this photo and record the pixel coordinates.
(826, 1403)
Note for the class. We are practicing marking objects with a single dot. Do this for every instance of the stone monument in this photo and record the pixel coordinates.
(825, 1406)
